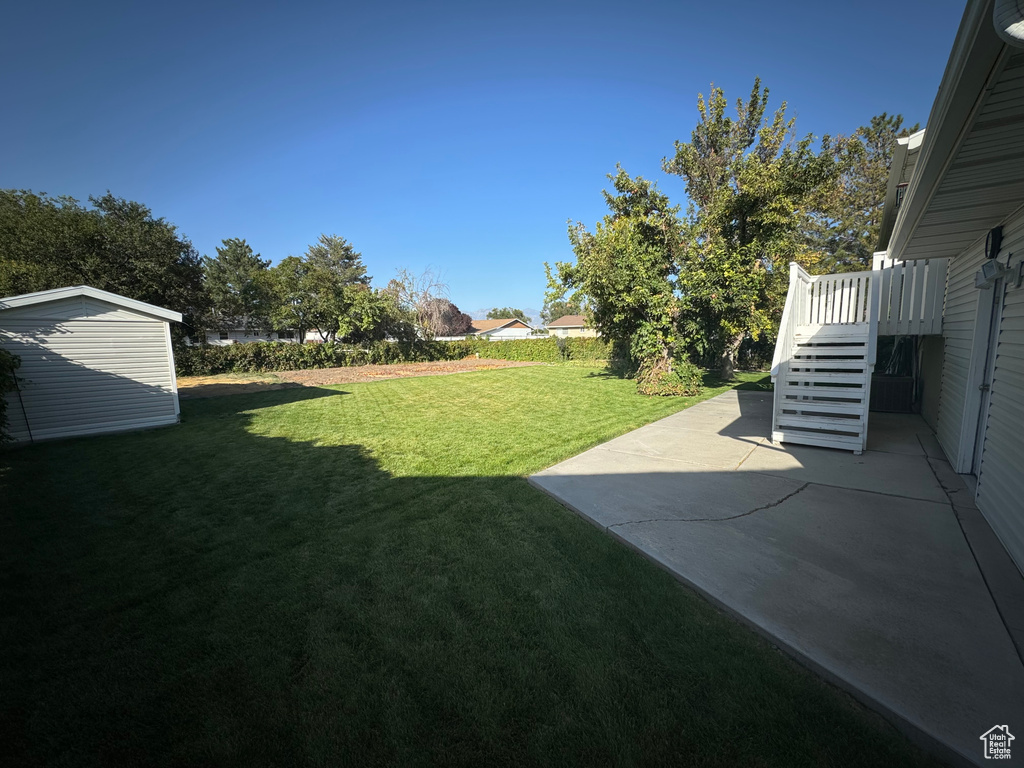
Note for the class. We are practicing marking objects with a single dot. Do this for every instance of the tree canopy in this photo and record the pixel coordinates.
(425, 298)
(754, 188)
(847, 228)
(239, 286)
(505, 313)
(331, 269)
(759, 196)
(115, 245)
(626, 271)
(554, 309)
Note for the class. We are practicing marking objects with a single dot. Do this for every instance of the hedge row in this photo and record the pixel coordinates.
(266, 357)
(8, 383)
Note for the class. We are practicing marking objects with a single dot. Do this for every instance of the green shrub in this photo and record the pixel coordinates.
(8, 383)
(682, 379)
(267, 357)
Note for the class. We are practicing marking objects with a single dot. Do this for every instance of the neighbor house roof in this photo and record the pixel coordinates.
(56, 294)
(481, 326)
(569, 321)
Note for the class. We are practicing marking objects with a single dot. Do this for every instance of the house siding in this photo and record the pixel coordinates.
(1000, 479)
(87, 367)
(958, 320)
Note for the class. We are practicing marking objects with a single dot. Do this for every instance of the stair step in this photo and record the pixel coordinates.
(817, 422)
(816, 406)
(844, 442)
(845, 393)
(858, 331)
(836, 351)
(860, 365)
(793, 377)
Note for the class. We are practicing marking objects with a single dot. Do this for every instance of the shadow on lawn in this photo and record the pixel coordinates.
(207, 595)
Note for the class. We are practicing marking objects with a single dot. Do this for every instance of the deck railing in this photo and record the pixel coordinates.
(910, 296)
(898, 298)
(838, 299)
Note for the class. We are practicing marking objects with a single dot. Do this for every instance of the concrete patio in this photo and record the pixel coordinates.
(874, 570)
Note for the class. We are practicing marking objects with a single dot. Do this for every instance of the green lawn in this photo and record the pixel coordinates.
(361, 575)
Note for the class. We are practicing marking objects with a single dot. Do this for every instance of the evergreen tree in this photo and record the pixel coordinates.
(847, 230)
(239, 286)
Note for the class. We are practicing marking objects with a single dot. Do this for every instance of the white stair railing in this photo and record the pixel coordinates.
(911, 295)
(795, 308)
(824, 357)
(838, 299)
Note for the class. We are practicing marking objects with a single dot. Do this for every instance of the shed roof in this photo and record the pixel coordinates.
(55, 294)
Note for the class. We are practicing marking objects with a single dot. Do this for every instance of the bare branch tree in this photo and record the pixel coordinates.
(425, 296)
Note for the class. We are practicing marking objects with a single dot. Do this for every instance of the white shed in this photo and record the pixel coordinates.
(91, 361)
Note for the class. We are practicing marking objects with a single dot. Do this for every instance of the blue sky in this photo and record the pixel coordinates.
(458, 136)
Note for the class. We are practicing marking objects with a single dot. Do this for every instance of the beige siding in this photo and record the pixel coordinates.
(87, 367)
(1001, 477)
(958, 320)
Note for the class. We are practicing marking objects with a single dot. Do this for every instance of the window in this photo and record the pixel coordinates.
(286, 335)
(223, 335)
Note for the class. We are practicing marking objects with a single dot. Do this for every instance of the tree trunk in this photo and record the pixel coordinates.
(727, 363)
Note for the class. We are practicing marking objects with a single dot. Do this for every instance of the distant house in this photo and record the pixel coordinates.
(571, 325)
(498, 330)
(223, 338)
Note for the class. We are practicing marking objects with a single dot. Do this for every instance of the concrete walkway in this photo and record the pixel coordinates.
(857, 565)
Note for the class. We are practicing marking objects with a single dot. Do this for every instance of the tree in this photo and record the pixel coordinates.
(374, 316)
(116, 245)
(442, 318)
(505, 313)
(625, 273)
(239, 286)
(331, 266)
(291, 310)
(754, 189)
(847, 230)
(425, 297)
(559, 308)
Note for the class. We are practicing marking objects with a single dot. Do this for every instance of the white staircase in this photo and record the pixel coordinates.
(824, 359)
(823, 389)
(825, 353)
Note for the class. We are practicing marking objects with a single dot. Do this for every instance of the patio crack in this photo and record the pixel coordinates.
(776, 503)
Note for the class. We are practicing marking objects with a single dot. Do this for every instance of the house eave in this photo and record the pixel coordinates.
(944, 176)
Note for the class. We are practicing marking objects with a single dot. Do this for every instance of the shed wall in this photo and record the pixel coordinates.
(86, 367)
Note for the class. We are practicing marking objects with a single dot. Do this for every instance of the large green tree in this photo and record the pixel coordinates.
(291, 310)
(559, 308)
(754, 188)
(846, 230)
(375, 315)
(116, 245)
(331, 267)
(239, 286)
(625, 274)
(505, 313)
